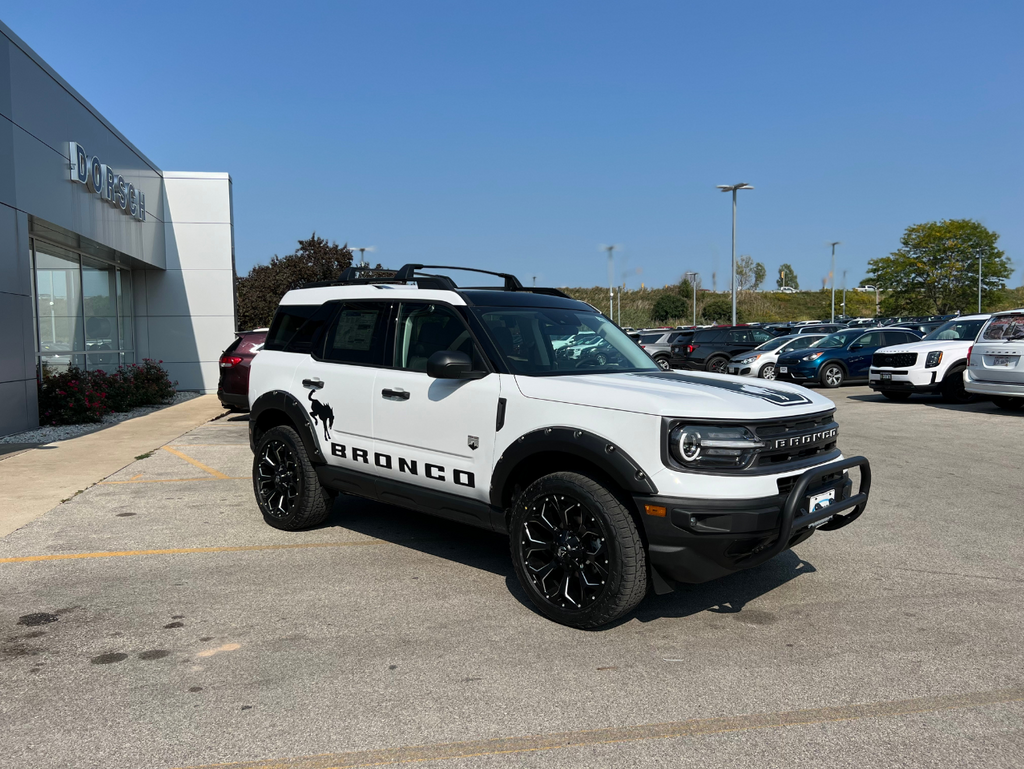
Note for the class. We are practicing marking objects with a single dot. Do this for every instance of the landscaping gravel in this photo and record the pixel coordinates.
(64, 432)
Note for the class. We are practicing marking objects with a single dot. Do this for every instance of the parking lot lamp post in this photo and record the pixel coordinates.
(979, 283)
(844, 293)
(834, 244)
(362, 254)
(692, 277)
(732, 276)
(611, 280)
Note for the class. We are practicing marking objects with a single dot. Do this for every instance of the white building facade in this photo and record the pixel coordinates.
(105, 259)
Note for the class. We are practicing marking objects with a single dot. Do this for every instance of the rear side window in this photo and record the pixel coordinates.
(1004, 328)
(287, 321)
(357, 334)
(650, 338)
(706, 337)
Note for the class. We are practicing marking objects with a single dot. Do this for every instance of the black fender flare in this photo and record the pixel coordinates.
(603, 453)
(957, 364)
(280, 400)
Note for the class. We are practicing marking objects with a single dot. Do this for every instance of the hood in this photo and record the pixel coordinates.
(677, 394)
(928, 346)
(794, 356)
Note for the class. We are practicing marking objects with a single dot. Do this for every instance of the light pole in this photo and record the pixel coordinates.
(692, 277)
(732, 276)
(980, 257)
(362, 253)
(782, 275)
(844, 293)
(611, 279)
(834, 244)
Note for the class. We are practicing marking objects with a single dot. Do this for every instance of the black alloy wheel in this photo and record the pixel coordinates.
(953, 389)
(577, 551)
(1006, 403)
(717, 365)
(767, 371)
(287, 489)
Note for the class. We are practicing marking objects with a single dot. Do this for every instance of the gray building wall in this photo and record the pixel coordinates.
(182, 256)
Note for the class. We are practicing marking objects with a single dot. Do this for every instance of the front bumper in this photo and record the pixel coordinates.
(743, 369)
(907, 380)
(702, 539)
(799, 372)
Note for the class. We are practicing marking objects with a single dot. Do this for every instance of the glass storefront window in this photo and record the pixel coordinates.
(83, 309)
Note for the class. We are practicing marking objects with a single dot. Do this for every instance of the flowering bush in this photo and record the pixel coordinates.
(75, 396)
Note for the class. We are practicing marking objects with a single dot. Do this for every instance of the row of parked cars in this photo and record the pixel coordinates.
(955, 357)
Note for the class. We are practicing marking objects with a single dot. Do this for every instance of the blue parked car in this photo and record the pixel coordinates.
(840, 357)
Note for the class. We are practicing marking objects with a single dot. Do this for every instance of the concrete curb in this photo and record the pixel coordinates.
(39, 479)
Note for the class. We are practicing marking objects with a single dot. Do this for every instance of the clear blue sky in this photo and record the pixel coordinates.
(519, 136)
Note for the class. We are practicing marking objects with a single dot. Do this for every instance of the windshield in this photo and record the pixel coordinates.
(1005, 328)
(524, 336)
(957, 329)
(773, 344)
(839, 339)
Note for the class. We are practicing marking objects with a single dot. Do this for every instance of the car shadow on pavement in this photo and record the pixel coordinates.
(934, 401)
(480, 549)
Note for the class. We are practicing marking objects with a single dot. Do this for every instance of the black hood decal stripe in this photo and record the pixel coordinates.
(776, 397)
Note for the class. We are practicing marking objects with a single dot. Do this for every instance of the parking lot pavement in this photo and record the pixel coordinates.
(156, 621)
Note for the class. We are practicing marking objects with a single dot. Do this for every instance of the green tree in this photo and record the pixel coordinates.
(760, 273)
(261, 290)
(935, 270)
(745, 272)
(718, 310)
(669, 307)
(790, 278)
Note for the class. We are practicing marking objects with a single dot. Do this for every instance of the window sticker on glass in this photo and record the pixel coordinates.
(355, 330)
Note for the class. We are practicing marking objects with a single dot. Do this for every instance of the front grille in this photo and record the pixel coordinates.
(894, 359)
(796, 440)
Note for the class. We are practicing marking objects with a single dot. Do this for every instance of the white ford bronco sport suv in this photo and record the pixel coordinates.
(936, 364)
(607, 473)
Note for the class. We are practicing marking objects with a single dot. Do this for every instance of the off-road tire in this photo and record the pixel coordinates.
(896, 395)
(952, 387)
(310, 503)
(767, 372)
(832, 376)
(1006, 403)
(717, 364)
(625, 582)
(662, 361)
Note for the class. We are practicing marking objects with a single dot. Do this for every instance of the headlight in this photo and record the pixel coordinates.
(749, 359)
(813, 356)
(933, 359)
(708, 446)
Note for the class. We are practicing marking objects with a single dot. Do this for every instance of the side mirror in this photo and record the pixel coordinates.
(856, 346)
(448, 364)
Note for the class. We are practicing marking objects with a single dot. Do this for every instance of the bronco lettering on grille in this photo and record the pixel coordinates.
(806, 439)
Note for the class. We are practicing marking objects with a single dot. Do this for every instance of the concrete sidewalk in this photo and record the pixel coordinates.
(39, 479)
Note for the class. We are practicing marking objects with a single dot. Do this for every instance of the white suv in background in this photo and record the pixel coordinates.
(760, 362)
(996, 362)
(936, 364)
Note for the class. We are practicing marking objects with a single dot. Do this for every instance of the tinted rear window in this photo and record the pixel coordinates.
(706, 337)
(650, 338)
(296, 325)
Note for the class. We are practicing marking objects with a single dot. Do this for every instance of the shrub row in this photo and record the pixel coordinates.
(75, 396)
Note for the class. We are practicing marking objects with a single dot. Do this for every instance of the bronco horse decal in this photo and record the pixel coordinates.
(322, 412)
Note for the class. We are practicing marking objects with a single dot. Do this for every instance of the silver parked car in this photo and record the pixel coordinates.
(658, 343)
(760, 362)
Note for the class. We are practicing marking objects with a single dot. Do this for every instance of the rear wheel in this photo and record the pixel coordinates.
(577, 551)
(832, 375)
(287, 489)
(1007, 403)
(767, 371)
(952, 389)
(896, 395)
(717, 364)
(662, 361)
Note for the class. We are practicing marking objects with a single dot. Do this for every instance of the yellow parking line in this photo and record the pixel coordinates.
(197, 463)
(696, 727)
(179, 550)
(176, 480)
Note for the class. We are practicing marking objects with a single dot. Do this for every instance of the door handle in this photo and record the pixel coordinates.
(395, 395)
(315, 384)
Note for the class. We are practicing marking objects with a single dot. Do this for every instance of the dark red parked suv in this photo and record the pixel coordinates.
(233, 388)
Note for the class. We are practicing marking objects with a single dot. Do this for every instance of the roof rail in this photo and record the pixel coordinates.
(408, 272)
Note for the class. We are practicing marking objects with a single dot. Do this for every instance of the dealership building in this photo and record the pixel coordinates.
(105, 259)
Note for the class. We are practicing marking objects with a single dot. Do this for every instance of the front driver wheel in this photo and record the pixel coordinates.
(832, 376)
(952, 388)
(577, 551)
(767, 371)
(287, 489)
